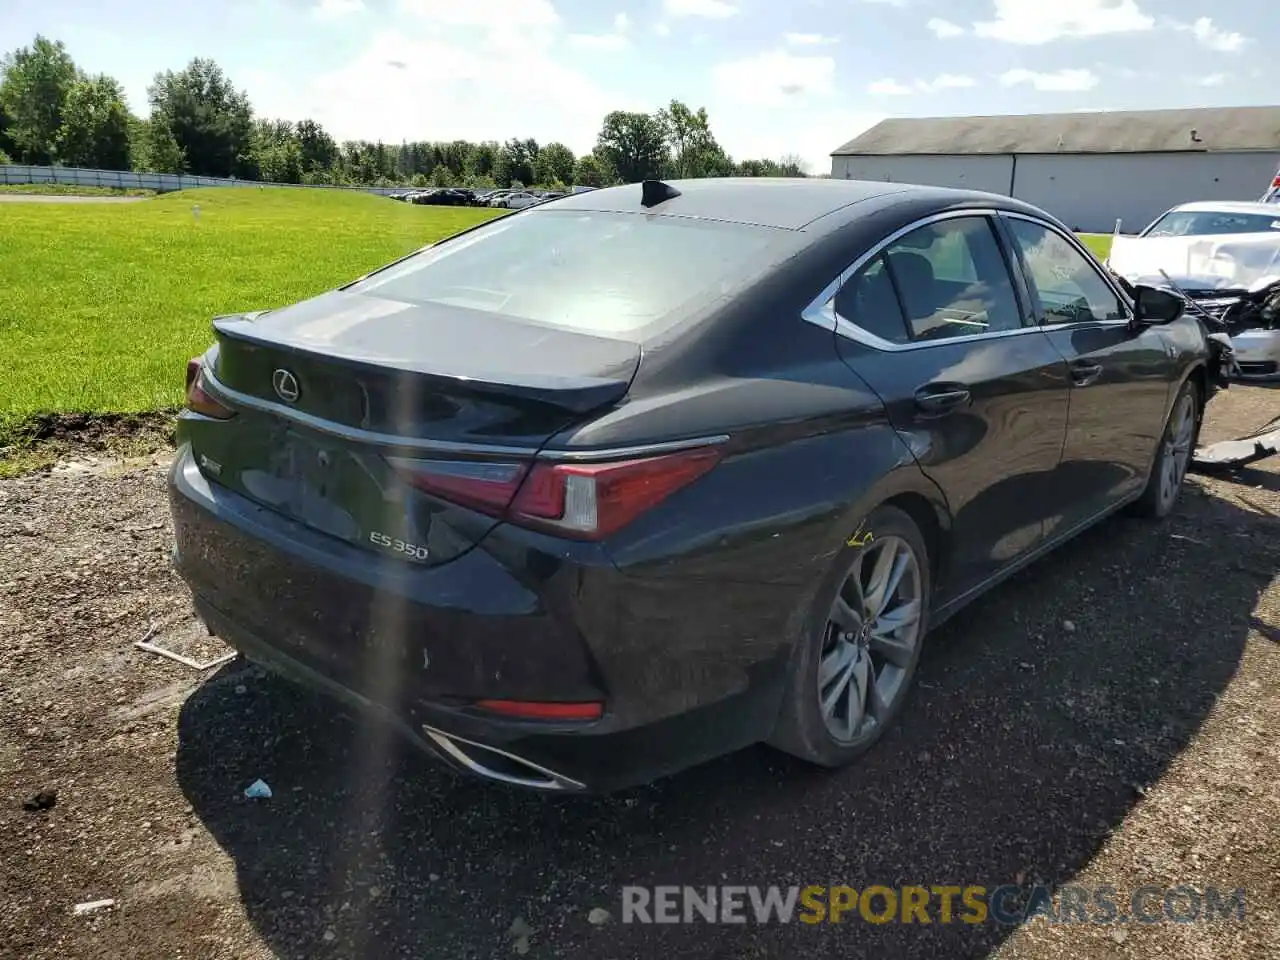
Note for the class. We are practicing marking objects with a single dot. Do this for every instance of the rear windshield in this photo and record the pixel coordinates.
(1208, 223)
(601, 273)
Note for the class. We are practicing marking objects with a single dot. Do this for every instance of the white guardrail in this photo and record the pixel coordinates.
(19, 173)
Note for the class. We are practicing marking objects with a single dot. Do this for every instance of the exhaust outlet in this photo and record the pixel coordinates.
(500, 765)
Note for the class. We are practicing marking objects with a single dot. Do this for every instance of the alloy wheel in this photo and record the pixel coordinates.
(872, 633)
(1177, 449)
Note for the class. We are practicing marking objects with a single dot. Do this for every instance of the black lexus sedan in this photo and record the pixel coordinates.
(596, 491)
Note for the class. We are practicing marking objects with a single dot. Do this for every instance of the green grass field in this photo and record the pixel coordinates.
(101, 305)
(1099, 243)
(66, 190)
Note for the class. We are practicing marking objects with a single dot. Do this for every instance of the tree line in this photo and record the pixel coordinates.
(53, 113)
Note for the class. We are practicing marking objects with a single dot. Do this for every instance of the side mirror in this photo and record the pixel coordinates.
(1156, 305)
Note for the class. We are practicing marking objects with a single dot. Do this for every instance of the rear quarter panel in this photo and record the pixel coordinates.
(713, 587)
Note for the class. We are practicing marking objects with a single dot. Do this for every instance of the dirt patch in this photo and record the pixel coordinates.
(1139, 746)
(83, 439)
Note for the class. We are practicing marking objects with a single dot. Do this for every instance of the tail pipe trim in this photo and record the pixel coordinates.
(501, 765)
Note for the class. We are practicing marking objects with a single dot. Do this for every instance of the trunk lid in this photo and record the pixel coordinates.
(347, 403)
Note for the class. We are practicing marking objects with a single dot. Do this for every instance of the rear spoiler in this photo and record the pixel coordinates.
(574, 393)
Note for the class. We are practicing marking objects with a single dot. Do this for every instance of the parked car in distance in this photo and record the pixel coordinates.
(497, 195)
(445, 196)
(518, 200)
(589, 494)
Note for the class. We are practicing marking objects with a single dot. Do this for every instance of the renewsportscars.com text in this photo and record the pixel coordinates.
(974, 904)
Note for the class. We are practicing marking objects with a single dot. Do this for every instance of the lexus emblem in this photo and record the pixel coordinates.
(286, 385)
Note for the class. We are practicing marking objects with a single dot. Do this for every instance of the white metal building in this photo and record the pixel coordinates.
(1088, 169)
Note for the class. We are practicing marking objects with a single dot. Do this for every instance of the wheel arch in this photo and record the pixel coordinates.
(934, 522)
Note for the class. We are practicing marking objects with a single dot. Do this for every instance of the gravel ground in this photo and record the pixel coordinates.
(1110, 716)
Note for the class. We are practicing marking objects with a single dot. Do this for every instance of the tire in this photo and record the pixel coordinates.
(1173, 455)
(804, 728)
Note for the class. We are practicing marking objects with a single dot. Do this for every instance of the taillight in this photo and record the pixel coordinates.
(591, 501)
(482, 485)
(586, 501)
(198, 400)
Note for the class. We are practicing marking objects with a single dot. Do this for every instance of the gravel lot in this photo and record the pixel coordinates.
(1109, 716)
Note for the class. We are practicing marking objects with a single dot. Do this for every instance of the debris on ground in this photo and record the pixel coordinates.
(145, 644)
(599, 916)
(520, 932)
(258, 790)
(1230, 455)
(92, 906)
(43, 800)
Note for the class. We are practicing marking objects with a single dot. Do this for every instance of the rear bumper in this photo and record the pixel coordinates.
(417, 646)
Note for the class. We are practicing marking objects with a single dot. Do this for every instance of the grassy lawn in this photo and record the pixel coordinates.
(103, 304)
(66, 190)
(1099, 243)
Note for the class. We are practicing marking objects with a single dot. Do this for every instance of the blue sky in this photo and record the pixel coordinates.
(777, 78)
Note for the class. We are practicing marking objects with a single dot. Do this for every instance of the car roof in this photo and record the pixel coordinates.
(1230, 206)
(789, 203)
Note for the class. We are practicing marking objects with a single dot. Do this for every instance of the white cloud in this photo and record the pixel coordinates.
(608, 42)
(888, 3)
(433, 84)
(336, 9)
(707, 9)
(1034, 22)
(944, 29)
(597, 41)
(1215, 38)
(493, 14)
(809, 39)
(774, 132)
(1213, 80)
(888, 87)
(662, 29)
(1060, 81)
(946, 81)
(773, 78)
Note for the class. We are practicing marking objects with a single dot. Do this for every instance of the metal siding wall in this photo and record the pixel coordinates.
(1091, 192)
(992, 174)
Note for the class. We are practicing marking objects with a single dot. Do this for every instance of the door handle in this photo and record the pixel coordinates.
(1084, 373)
(937, 400)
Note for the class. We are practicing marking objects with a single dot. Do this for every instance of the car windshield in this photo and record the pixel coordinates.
(1204, 223)
(607, 274)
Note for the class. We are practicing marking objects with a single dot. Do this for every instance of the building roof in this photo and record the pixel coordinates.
(1130, 131)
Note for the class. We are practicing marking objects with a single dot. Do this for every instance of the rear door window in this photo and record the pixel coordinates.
(600, 273)
(868, 300)
(949, 278)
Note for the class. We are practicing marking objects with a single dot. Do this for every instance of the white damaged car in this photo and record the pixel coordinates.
(1225, 258)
